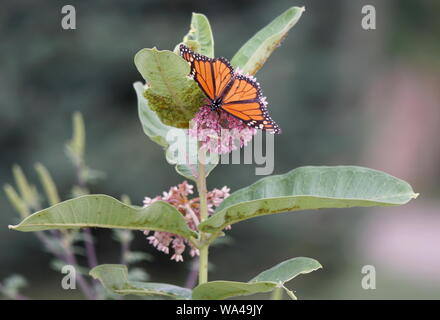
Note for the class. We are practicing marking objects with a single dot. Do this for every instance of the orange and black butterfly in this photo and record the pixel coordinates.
(237, 94)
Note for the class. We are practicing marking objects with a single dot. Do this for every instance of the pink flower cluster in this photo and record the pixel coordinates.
(178, 197)
(219, 132)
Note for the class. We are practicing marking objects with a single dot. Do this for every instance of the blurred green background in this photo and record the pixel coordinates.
(342, 95)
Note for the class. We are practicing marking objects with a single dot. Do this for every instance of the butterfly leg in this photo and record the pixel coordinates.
(218, 113)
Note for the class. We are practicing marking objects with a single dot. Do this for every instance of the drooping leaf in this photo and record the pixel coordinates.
(254, 53)
(201, 33)
(287, 270)
(308, 188)
(103, 211)
(180, 148)
(219, 290)
(266, 281)
(114, 277)
(171, 94)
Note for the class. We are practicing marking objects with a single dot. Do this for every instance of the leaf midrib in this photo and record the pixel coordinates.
(411, 195)
(93, 225)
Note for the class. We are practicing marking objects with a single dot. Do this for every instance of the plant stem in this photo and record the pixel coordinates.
(203, 265)
(48, 244)
(277, 294)
(201, 187)
(125, 247)
(90, 248)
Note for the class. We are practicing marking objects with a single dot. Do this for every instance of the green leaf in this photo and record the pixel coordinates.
(218, 290)
(308, 188)
(151, 124)
(200, 32)
(27, 191)
(287, 270)
(171, 94)
(76, 145)
(48, 184)
(266, 281)
(254, 53)
(114, 277)
(18, 203)
(103, 211)
(173, 140)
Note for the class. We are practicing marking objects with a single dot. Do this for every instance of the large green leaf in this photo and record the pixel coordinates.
(167, 136)
(310, 188)
(106, 212)
(200, 31)
(170, 93)
(114, 277)
(254, 53)
(151, 124)
(266, 281)
(219, 290)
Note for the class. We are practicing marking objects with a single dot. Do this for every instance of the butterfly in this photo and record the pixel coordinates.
(237, 94)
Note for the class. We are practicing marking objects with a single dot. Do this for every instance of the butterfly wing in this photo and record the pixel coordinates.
(240, 95)
(212, 75)
(244, 100)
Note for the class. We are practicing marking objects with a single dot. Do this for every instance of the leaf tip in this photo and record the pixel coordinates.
(11, 227)
(93, 273)
(415, 195)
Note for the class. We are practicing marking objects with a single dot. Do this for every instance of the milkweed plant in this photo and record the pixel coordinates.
(187, 219)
